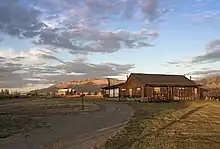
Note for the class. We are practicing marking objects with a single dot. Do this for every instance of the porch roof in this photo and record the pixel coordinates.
(114, 86)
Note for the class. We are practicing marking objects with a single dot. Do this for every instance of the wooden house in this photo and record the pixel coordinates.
(160, 86)
(156, 87)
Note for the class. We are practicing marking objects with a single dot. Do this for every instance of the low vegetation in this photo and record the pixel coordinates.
(22, 115)
(170, 125)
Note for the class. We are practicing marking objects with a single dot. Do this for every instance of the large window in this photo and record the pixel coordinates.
(138, 92)
(157, 89)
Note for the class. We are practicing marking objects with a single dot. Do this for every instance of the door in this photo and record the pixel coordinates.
(130, 92)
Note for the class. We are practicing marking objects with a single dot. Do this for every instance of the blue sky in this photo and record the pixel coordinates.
(47, 41)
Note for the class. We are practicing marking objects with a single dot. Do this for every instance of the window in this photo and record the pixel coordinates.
(107, 92)
(157, 89)
(138, 91)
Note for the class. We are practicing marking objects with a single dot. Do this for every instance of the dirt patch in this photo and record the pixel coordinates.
(19, 116)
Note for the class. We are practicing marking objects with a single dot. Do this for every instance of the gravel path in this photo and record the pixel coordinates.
(73, 131)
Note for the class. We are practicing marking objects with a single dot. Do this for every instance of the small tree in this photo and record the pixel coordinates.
(6, 92)
(67, 92)
(2, 92)
(74, 93)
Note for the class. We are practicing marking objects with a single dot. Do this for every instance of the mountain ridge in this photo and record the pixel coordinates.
(100, 82)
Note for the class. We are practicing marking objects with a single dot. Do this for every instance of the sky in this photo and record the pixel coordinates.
(43, 42)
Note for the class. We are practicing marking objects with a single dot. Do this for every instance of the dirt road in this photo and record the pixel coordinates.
(72, 131)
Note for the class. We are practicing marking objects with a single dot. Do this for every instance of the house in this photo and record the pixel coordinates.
(113, 91)
(61, 92)
(89, 89)
(158, 87)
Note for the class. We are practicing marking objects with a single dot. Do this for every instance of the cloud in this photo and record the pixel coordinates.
(50, 57)
(212, 53)
(17, 20)
(214, 44)
(206, 15)
(205, 72)
(175, 62)
(15, 74)
(208, 57)
(85, 40)
(81, 27)
(1, 39)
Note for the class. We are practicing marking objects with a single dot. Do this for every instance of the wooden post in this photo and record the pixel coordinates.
(184, 93)
(168, 92)
(198, 93)
(193, 94)
(148, 92)
(119, 93)
(181, 93)
(172, 93)
(142, 91)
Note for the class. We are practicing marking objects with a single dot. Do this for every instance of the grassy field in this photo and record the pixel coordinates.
(17, 116)
(182, 125)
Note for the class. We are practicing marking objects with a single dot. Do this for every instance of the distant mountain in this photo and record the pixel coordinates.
(91, 84)
(52, 89)
(211, 83)
(97, 81)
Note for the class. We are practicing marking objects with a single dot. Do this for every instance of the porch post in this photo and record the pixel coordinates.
(184, 93)
(142, 91)
(148, 92)
(198, 93)
(193, 93)
(172, 92)
(168, 92)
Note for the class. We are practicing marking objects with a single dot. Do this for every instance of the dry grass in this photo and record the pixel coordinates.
(182, 125)
(18, 116)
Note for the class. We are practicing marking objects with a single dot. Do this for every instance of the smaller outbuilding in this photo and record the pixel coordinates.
(113, 91)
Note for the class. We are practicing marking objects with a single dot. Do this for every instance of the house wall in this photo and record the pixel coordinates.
(133, 85)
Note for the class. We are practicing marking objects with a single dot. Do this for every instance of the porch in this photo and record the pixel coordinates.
(162, 92)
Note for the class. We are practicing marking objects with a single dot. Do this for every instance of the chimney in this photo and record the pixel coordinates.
(190, 77)
(109, 83)
(127, 76)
